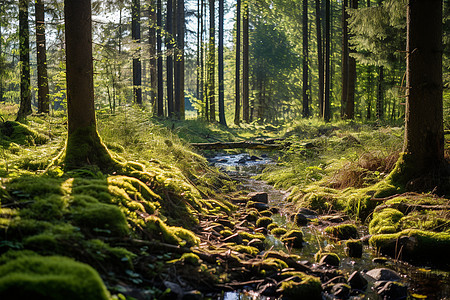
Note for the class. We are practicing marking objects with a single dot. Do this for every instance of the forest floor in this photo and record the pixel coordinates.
(171, 226)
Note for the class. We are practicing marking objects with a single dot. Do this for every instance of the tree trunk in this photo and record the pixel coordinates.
(245, 63)
(380, 93)
(305, 111)
(345, 57)
(319, 57)
(84, 146)
(169, 58)
(179, 61)
(326, 104)
(424, 134)
(202, 63)
(24, 53)
(43, 102)
(153, 54)
(237, 79)
(136, 37)
(160, 103)
(212, 62)
(222, 119)
(350, 103)
(197, 94)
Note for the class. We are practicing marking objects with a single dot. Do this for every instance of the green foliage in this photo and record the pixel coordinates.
(14, 132)
(343, 231)
(50, 277)
(385, 221)
(308, 287)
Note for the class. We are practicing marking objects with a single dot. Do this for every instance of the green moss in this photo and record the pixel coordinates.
(103, 254)
(263, 222)
(272, 226)
(320, 254)
(293, 238)
(50, 208)
(27, 187)
(266, 213)
(415, 245)
(246, 249)
(103, 219)
(353, 248)
(385, 221)
(226, 233)
(53, 278)
(250, 236)
(343, 231)
(309, 287)
(14, 132)
(170, 234)
(278, 231)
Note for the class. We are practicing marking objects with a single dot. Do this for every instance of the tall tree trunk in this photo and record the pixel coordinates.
(305, 111)
(319, 57)
(369, 84)
(424, 133)
(237, 79)
(179, 61)
(202, 62)
(212, 62)
(153, 54)
(380, 93)
(222, 119)
(1, 52)
(136, 37)
(169, 58)
(43, 102)
(197, 94)
(326, 104)
(160, 103)
(345, 57)
(245, 63)
(84, 146)
(24, 53)
(350, 103)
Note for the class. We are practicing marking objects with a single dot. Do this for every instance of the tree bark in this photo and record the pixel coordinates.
(43, 102)
(160, 103)
(169, 58)
(350, 103)
(237, 79)
(136, 37)
(345, 57)
(212, 62)
(424, 133)
(24, 53)
(222, 119)
(380, 93)
(1, 52)
(245, 63)
(179, 61)
(153, 56)
(305, 111)
(84, 146)
(326, 104)
(319, 57)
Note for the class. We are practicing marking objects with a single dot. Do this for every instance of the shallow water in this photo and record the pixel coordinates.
(423, 282)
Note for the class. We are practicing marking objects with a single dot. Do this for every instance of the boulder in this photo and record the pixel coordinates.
(341, 291)
(301, 220)
(357, 281)
(391, 290)
(330, 259)
(354, 248)
(258, 197)
(383, 274)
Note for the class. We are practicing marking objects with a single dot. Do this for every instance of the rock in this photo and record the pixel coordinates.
(259, 197)
(193, 295)
(357, 281)
(257, 243)
(274, 210)
(343, 231)
(301, 219)
(341, 291)
(293, 238)
(330, 259)
(176, 292)
(354, 248)
(365, 239)
(264, 222)
(307, 212)
(391, 290)
(234, 238)
(254, 158)
(383, 274)
(260, 206)
(380, 260)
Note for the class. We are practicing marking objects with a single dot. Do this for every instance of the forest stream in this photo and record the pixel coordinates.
(423, 282)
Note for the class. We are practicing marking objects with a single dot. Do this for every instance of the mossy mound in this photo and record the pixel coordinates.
(343, 231)
(293, 238)
(415, 246)
(263, 222)
(15, 132)
(52, 277)
(278, 231)
(302, 286)
(385, 221)
(157, 229)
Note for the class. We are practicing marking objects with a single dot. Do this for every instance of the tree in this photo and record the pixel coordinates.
(345, 57)
(245, 63)
(160, 103)
(351, 73)
(237, 80)
(84, 146)
(305, 111)
(212, 62)
(424, 135)
(222, 119)
(24, 50)
(326, 102)
(1, 54)
(169, 57)
(179, 61)
(43, 91)
(136, 37)
(320, 64)
(153, 55)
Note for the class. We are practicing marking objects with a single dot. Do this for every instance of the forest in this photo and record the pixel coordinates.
(248, 149)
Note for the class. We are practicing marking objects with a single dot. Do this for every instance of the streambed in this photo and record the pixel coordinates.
(423, 282)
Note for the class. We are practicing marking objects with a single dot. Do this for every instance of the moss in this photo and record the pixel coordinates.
(252, 215)
(321, 254)
(353, 248)
(250, 236)
(14, 132)
(272, 226)
(343, 231)
(385, 221)
(156, 228)
(266, 213)
(49, 208)
(263, 222)
(278, 231)
(102, 253)
(32, 186)
(53, 278)
(415, 246)
(226, 233)
(246, 249)
(103, 219)
(293, 238)
(269, 266)
(309, 287)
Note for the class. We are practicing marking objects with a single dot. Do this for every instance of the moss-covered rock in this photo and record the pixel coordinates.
(415, 246)
(302, 286)
(272, 226)
(15, 132)
(328, 258)
(53, 278)
(343, 231)
(278, 231)
(354, 248)
(293, 238)
(385, 221)
(157, 229)
(263, 222)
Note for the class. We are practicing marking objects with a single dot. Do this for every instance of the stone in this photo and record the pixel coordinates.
(260, 206)
(383, 274)
(341, 291)
(301, 220)
(176, 292)
(330, 259)
(258, 197)
(354, 248)
(307, 212)
(380, 260)
(391, 290)
(357, 281)
(193, 295)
